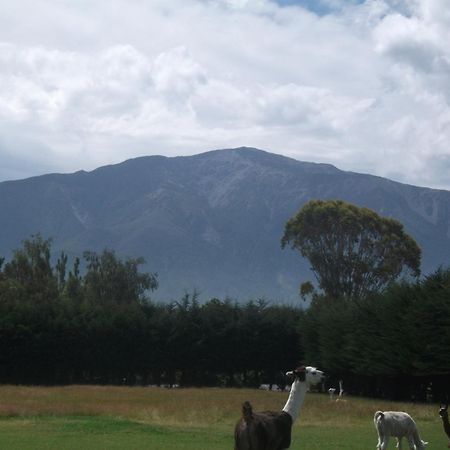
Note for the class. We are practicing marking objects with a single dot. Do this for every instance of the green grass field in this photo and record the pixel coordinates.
(94, 417)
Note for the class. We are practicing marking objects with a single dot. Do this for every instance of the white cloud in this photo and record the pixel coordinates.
(176, 75)
(366, 87)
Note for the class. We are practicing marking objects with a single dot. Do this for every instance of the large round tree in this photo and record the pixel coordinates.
(353, 251)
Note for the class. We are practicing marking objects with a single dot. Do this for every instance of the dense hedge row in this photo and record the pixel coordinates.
(395, 344)
(58, 326)
(215, 343)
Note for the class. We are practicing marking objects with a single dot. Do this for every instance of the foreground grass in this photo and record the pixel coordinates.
(93, 417)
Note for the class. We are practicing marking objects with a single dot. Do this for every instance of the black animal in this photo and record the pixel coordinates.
(444, 416)
(267, 430)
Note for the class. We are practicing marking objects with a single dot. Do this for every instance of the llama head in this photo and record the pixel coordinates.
(443, 410)
(308, 374)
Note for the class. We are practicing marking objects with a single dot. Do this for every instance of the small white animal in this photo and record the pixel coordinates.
(400, 425)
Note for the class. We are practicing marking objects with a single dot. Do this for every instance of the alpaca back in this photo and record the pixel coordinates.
(397, 424)
(269, 430)
(394, 423)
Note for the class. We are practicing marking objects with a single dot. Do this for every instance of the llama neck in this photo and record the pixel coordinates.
(446, 424)
(295, 400)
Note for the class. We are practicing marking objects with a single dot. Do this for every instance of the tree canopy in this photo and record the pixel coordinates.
(353, 251)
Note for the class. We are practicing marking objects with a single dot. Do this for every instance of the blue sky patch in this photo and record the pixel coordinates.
(320, 7)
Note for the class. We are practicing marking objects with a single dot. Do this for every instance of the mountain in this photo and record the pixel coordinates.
(210, 222)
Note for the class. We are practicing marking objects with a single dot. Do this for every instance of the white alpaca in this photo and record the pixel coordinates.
(341, 388)
(397, 424)
(331, 392)
(271, 430)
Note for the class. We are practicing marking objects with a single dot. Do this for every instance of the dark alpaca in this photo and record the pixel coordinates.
(271, 430)
(444, 416)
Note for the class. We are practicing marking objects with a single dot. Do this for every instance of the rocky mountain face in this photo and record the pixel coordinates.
(210, 222)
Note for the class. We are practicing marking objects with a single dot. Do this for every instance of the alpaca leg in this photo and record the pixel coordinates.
(411, 444)
(399, 443)
(385, 443)
(378, 447)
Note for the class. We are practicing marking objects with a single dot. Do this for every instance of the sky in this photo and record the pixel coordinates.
(360, 84)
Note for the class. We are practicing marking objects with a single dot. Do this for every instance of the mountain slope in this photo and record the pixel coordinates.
(210, 222)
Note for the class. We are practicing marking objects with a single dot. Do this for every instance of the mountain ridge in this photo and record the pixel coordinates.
(211, 221)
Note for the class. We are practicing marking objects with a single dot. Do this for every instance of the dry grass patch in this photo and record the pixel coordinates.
(100, 417)
(189, 407)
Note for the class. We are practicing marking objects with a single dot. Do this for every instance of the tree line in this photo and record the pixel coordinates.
(60, 326)
(393, 344)
(383, 337)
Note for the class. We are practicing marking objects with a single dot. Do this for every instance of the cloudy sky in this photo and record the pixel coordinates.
(363, 85)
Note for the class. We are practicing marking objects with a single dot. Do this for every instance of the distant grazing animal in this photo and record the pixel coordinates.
(341, 388)
(444, 416)
(331, 392)
(398, 424)
(271, 430)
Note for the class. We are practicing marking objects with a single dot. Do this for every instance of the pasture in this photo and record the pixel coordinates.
(135, 418)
